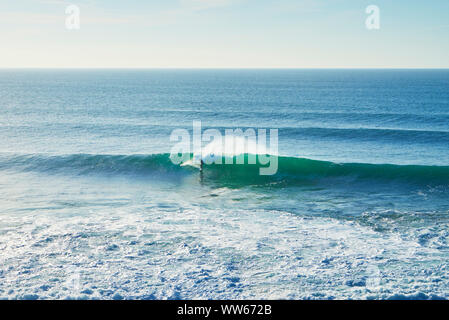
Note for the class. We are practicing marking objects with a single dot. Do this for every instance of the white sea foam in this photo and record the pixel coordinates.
(138, 245)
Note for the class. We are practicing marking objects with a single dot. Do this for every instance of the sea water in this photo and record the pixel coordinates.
(92, 207)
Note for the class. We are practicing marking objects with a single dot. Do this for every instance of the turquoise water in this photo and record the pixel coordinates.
(92, 207)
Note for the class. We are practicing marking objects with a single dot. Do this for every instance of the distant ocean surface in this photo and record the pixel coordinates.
(92, 207)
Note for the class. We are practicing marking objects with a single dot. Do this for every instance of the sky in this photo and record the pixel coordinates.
(224, 34)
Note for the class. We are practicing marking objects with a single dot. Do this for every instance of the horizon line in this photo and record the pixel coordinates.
(237, 68)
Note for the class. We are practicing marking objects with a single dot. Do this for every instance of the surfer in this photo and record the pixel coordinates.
(201, 171)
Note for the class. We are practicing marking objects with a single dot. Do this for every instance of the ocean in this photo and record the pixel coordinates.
(92, 207)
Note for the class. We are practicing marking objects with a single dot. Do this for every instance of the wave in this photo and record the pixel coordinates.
(421, 174)
(291, 170)
(382, 135)
(91, 163)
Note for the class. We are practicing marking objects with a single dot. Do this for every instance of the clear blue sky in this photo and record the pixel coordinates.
(225, 33)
